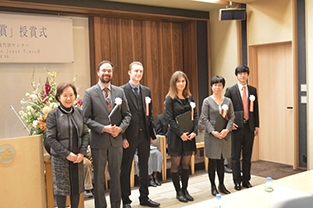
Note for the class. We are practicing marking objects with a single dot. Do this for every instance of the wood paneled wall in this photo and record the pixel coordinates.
(162, 47)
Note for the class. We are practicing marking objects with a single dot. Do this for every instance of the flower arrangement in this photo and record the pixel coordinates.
(40, 102)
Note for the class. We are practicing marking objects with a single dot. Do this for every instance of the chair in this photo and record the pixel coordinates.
(160, 143)
(199, 145)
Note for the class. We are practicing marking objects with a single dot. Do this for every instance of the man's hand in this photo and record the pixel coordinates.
(224, 133)
(235, 126)
(116, 130)
(125, 144)
(80, 157)
(108, 129)
(256, 131)
(72, 157)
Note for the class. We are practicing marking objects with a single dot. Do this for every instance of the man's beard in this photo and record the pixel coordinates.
(105, 81)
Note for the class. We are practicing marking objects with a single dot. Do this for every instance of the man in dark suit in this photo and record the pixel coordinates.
(137, 136)
(106, 139)
(245, 127)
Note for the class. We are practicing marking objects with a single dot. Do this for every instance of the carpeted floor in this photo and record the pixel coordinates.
(270, 169)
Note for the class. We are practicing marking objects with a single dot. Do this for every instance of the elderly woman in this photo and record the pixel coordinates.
(217, 143)
(181, 145)
(68, 138)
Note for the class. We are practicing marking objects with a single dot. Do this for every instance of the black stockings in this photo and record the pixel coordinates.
(217, 164)
(185, 163)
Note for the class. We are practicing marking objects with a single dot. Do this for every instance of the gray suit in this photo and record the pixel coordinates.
(104, 147)
(215, 147)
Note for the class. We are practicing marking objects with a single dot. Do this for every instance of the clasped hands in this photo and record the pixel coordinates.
(221, 134)
(186, 136)
(113, 130)
(75, 158)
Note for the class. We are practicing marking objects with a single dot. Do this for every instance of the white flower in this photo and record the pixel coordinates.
(192, 104)
(225, 107)
(35, 123)
(252, 98)
(33, 97)
(148, 99)
(53, 105)
(29, 108)
(46, 110)
(118, 101)
(27, 94)
(21, 113)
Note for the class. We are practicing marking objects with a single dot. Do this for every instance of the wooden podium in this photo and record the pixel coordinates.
(22, 172)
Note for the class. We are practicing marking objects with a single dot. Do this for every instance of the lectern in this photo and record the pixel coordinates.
(22, 172)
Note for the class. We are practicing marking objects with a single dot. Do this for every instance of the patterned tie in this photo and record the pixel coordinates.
(245, 104)
(106, 90)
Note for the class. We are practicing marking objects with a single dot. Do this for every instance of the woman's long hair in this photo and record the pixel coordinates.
(173, 90)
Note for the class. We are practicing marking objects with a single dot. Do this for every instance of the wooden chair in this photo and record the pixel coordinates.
(199, 146)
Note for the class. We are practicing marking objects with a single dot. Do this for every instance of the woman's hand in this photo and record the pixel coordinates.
(71, 157)
(79, 158)
(216, 134)
(184, 136)
(224, 133)
(191, 136)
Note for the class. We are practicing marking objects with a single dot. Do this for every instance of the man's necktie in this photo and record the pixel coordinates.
(136, 91)
(106, 90)
(245, 104)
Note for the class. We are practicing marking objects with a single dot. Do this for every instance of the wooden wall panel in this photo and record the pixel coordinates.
(162, 47)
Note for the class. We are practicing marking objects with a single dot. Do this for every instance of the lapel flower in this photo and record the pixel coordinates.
(252, 99)
(118, 101)
(192, 105)
(148, 101)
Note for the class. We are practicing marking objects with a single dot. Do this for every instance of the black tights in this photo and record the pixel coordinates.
(185, 162)
(217, 164)
(61, 201)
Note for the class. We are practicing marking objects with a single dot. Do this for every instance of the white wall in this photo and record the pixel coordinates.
(16, 79)
(223, 48)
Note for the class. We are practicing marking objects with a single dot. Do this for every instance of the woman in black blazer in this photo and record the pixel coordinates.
(181, 145)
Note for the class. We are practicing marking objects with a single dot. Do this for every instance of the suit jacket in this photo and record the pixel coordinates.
(132, 132)
(234, 94)
(161, 124)
(96, 116)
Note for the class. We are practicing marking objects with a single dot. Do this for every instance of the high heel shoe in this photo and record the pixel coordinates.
(223, 189)
(214, 190)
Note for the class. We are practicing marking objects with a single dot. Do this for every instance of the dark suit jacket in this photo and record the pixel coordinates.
(96, 116)
(132, 132)
(234, 94)
(161, 124)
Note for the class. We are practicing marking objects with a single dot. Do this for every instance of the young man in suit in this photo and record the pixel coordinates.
(106, 139)
(245, 127)
(137, 136)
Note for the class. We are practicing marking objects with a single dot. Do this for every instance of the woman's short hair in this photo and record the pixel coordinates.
(173, 90)
(105, 62)
(61, 87)
(242, 68)
(217, 79)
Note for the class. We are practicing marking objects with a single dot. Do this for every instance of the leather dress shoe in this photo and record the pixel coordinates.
(157, 182)
(214, 190)
(227, 169)
(149, 203)
(187, 195)
(237, 186)
(127, 206)
(246, 184)
(181, 197)
(223, 189)
(152, 183)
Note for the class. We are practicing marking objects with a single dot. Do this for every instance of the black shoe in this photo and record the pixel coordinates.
(157, 182)
(223, 189)
(187, 195)
(246, 184)
(237, 186)
(127, 206)
(149, 203)
(152, 183)
(227, 169)
(88, 194)
(214, 190)
(181, 197)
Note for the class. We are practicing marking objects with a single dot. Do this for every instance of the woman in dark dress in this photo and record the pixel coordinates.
(181, 145)
(68, 137)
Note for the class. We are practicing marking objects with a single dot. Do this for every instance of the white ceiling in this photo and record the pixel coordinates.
(183, 4)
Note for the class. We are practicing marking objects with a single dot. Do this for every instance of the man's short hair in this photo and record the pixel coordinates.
(134, 63)
(242, 68)
(105, 62)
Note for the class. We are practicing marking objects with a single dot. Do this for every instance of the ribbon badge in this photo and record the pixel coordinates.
(252, 99)
(224, 111)
(118, 101)
(148, 101)
(193, 105)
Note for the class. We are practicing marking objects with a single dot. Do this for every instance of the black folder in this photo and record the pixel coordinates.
(115, 117)
(239, 119)
(184, 122)
(220, 123)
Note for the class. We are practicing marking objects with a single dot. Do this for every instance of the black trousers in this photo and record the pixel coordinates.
(143, 148)
(242, 142)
